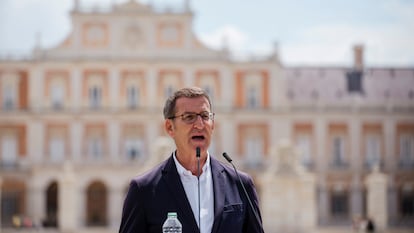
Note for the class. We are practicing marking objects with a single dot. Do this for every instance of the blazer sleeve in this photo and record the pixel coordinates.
(133, 212)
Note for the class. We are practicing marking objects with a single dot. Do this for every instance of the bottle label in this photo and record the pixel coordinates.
(172, 229)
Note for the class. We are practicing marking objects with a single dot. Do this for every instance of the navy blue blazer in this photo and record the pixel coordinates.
(152, 195)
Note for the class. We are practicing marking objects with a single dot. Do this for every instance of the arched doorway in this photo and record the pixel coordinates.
(96, 204)
(51, 205)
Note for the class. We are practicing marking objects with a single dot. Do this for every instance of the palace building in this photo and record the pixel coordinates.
(79, 120)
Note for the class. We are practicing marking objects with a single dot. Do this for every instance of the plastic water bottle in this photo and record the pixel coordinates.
(172, 225)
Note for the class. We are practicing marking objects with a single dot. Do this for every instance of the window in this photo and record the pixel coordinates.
(8, 151)
(252, 98)
(9, 97)
(372, 150)
(95, 97)
(338, 151)
(254, 150)
(95, 148)
(10, 206)
(304, 146)
(132, 97)
(407, 150)
(210, 92)
(57, 95)
(354, 79)
(339, 204)
(57, 149)
(168, 91)
(133, 149)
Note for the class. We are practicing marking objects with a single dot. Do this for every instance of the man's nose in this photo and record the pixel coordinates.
(199, 123)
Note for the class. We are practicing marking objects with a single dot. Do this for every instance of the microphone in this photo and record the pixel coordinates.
(256, 215)
(198, 184)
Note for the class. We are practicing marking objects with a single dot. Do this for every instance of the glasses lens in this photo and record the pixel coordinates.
(205, 116)
(189, 117)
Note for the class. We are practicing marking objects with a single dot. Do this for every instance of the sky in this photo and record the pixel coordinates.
(306, 32)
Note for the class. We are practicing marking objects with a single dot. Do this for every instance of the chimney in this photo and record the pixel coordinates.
(359, 57)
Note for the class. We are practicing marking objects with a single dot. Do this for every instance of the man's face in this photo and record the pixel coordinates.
(189, 136)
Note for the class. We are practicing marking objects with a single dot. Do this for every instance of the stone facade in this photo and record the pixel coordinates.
(79, 120)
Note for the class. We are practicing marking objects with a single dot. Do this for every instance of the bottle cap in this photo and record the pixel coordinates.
(172, 214)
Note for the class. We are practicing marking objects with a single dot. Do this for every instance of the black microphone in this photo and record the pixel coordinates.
(198, 184)
(227, 157)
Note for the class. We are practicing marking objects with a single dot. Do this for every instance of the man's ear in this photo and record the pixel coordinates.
(169, 128)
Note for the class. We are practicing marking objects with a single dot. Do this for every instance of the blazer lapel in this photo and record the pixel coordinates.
(173, 181)
(219, 191)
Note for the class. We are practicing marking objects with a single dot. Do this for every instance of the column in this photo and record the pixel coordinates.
(36, 138)
(226, 83)
(114, 141)
(323, 204)
(152, 95)
(391, 161)
(76, 89)
(356, 159)
(36, 201)
(67, 210)
(76, 140)
(227, 134)
(356, 197)
(376, 183)
(113, 88)
(36, 88)
(320, 139)
(188, 77)
(116, 199)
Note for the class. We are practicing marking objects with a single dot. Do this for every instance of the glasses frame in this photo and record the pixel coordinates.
(210, 116)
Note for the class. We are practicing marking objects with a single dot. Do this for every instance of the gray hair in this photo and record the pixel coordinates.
(186, 92)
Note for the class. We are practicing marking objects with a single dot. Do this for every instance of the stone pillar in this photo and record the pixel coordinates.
(152, 94)
(36, 202)
(114, 89)
(76, 89)
(114, 150)
(356, 197)
(323, 203)
(116, 198)
(76, 140)
(320, 134)
(67, 211)
(376, 183)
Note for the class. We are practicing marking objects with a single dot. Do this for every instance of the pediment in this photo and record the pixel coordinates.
(131, 6)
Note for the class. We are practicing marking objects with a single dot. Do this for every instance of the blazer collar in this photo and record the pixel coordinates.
(173, 181)
(219, 186)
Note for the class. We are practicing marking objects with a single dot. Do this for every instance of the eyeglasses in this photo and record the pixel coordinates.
(191, 117)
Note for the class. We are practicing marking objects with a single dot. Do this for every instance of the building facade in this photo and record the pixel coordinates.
(79, 120)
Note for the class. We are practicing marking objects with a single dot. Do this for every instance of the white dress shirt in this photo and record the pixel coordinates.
(206, 194)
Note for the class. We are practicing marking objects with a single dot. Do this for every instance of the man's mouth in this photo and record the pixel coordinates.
(198, 137)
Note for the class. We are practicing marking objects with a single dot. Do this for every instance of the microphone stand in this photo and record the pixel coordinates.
(256, 215)
(198, 184)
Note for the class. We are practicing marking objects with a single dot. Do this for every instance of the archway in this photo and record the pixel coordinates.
(96, 204)
(51, 205)
(12, 202)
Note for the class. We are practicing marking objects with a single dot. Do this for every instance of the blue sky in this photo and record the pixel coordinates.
(308, 32)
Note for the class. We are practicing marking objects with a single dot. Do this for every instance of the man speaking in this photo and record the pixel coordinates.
(208, 196)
